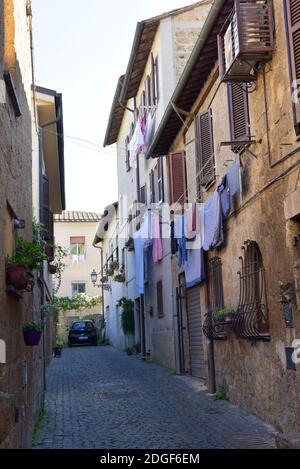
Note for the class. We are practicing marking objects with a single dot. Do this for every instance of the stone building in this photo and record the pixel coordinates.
(75, 231)
(235, 111)
(22, 367)
(161, 48)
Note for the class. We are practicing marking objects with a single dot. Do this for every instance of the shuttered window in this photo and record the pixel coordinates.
(154, 80)
(205, 148)
(160, 180)
(160, 301)
(238, 113)
(143, 195)
(152, 187)
(127, 157)
(177, 177)
(293, 33)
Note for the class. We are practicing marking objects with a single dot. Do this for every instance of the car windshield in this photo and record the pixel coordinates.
(79, 325)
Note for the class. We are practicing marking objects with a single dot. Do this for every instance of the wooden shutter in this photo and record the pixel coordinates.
(205, 148)
(148, 91)
(127, 162)
(160, 301)
(238, 113)
(160, 180)
(50, 251)
(152, 187)
(152, 80)
(177, 177)
(143, 195)
(293, 30)
(156, 80)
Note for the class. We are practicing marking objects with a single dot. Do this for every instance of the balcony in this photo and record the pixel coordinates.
(246, 40)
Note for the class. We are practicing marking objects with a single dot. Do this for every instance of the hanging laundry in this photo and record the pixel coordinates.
(181, 239)
(192, 227)
(157, 249)
(224, 191)
(136, 143)
(149, 129)
(233, 177)
(213, 223)
(142, 241)
(194, 268)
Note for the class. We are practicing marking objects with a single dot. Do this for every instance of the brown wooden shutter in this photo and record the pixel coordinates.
(160, 301)
(148, 91)
(152, 80)
(127, 162)
(238, 113)
(156, 80)
(50, 251)
(293, 30)
(205, 148)
(177, 177)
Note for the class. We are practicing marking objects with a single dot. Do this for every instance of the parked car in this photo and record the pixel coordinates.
(82, 332)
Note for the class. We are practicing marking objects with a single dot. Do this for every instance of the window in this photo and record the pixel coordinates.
(292, 13)
(205, 148)
(127, 156)
(143, 194)
(78, 288)
(238, 114)
(160, 301)
(154, 80)
(160, 180)
(77, 248)
(177, 177)
(215, 285)
(251, 319)
(152, 187)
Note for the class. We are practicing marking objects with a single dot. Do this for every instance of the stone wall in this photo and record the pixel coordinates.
(255, 374)
(22, 374)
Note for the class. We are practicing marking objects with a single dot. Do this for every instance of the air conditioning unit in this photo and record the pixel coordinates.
(246, 40)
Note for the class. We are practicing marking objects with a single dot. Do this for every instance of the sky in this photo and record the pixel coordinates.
(80, 50)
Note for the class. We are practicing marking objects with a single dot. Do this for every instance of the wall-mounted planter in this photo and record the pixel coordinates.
(32, 338)
(52, 269)
(20, 277)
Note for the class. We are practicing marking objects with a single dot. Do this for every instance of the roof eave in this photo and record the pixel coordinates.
(204, 34)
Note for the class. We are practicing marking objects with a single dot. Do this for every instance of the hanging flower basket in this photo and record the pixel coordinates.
(130, 245)
(104, 279)
(32, 338)
(119, 278)
(32, 332)
(20, 277)
(52, 269)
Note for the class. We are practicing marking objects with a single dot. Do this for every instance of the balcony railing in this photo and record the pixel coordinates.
(246, 40)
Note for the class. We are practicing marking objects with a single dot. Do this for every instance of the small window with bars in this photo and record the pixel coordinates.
(251, 320)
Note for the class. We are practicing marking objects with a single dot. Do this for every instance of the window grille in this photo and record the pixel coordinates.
(251, 319)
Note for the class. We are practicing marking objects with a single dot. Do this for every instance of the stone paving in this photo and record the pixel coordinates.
(98, 397)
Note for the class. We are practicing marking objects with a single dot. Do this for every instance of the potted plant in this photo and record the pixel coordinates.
(32, 331)
(129, 244)
(114, 265)
(28, 256)
(52, 269)
(104, 279)
(225, 314)
(119, 277)
(57, 349)
(130, 350)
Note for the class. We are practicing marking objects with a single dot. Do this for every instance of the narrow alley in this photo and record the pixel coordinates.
(98, 397)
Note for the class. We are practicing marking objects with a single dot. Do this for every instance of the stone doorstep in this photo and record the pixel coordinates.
(288, 440)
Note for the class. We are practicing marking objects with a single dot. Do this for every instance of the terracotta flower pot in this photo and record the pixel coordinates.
(20, 277)
(32, 337)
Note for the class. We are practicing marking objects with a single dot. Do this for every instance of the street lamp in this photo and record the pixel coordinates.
(94, 276)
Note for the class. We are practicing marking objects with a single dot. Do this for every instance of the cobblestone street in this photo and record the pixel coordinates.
(98, 397)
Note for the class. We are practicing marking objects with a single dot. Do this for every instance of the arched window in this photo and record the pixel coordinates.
(251, 319)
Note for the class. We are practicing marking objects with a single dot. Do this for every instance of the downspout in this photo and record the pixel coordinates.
(101, 270)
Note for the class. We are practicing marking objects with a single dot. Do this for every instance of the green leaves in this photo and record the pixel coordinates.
(28, 253)
(127, 317)
(77, 302)
(32, 326)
